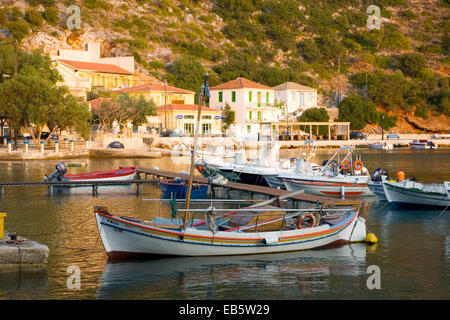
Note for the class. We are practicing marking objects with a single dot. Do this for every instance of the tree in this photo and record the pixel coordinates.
(228, 116)
(411, 64)
(118, 111)
(357, 111)
(315, 115)
(33, 100)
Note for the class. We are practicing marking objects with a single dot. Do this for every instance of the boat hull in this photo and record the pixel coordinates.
(123, 239)
(253, 178)
(407, 197)
(378, 190)
(329, 188)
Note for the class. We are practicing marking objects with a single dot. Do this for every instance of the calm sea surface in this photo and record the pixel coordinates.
(413, 250)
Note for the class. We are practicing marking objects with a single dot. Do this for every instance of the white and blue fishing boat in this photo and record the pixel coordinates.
(447, 188)
(412, 193)
(376, 184)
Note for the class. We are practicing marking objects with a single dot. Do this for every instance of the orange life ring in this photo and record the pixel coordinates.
(200, 168)
(345, 165)
(301, 218)
(358, 165)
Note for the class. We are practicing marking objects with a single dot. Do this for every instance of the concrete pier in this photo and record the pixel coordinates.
(22, 254)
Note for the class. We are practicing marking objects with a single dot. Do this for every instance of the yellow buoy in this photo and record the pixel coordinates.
(2, 217)
(371, 238)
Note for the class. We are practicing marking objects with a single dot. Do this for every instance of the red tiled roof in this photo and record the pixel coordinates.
(97, 102)
(240, 83)
(154, 87)
(185, 107)
(91, 66)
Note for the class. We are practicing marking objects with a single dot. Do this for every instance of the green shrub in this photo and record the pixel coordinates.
(315, 115)
(18, 29)
(357, 111)
(411, 64)
(408, 15)
(431, 48)
(34, 17)
(51, 15)
(421, 111)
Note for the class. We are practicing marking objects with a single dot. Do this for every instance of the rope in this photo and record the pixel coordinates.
(95, 245)
(442, 212)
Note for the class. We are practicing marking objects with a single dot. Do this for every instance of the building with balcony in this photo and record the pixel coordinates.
(252, 102)
(295, 97)
(84, 69)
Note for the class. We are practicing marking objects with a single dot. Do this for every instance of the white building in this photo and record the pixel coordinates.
(296, 97)
(252, 102)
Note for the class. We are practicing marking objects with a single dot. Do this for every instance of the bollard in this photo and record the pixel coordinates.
(56, 146)
(9, 146)
(42, 146)
(65, 142)
(2, 229)
(26, 143)
(71, 145)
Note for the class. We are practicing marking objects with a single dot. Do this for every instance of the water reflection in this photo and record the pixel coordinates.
(199, 277)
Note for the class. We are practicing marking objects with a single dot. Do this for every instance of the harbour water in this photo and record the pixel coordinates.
(412, 253)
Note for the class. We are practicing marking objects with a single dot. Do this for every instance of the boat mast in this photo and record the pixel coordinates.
(201, 99)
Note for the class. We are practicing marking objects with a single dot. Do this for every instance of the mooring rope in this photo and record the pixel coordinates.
(59, 231)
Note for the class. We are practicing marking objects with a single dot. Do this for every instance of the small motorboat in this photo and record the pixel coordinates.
(121, 174)
(376, 185)
(413, 193)
(447, 188)
(422, 144)
(177, 189)
(381, 146)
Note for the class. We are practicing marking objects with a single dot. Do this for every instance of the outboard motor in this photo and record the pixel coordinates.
(431, 144)
(378, 173)
(58, 174)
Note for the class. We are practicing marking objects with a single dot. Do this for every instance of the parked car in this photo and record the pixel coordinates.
(170, 133)
(116, 145)
(44, 135)
(357, 135)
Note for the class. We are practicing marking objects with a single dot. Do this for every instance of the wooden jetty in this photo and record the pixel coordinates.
(93, 184)
(273, 192)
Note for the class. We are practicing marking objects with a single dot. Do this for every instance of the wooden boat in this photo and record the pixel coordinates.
(422, 144)
(381, 146)
(177, 188)
(258, 231)
(413, 193)
(121, 174)
(332, 187)
(376, 185)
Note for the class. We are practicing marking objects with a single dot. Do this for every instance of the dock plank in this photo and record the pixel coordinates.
(248, 187)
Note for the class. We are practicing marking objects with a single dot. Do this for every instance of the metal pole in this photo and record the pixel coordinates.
(165, 104)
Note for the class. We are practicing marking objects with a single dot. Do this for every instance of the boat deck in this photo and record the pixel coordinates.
(274, 192)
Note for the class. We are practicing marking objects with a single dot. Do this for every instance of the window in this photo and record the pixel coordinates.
(233, 96)
(249, 115)
(206, 128)
(302, 99)
(220, 96)
(188, 128)
(267, 97)
(249, 128)
(259, 115)
(249, 96)
(310, 97)
(189, 116)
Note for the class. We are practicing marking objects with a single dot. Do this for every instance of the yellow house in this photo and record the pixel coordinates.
(161, 94)
(82, 70)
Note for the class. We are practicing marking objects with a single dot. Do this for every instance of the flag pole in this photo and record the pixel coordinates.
(203, 92)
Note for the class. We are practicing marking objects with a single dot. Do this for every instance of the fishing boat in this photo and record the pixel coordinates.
(177, 189)
(267, 170)
(121, 174)
(413, 193)
(263, 229)
(381, 146)
(214, 166)
(333, 179)
(422, 144)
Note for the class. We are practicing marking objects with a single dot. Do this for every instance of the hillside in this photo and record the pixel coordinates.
(320, 43)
